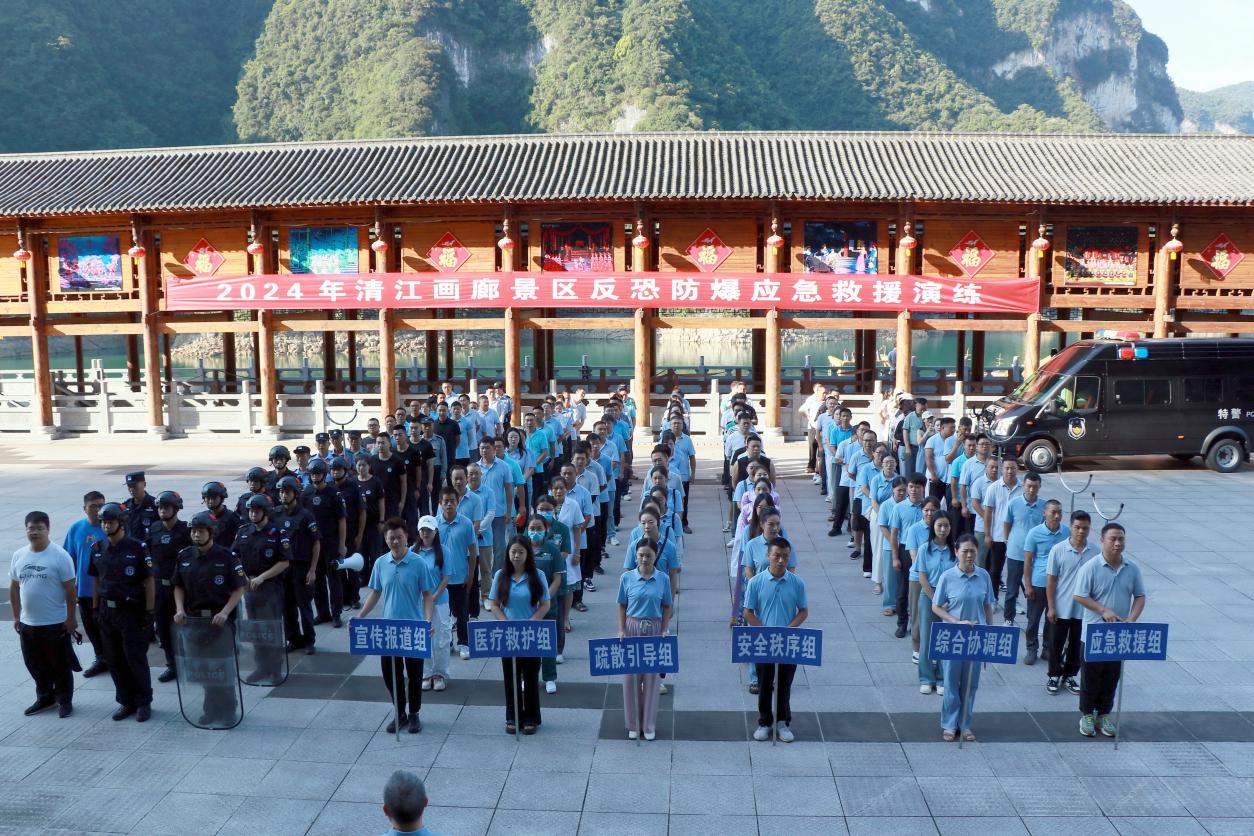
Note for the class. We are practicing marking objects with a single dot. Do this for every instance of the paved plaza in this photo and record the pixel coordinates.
(311, 756)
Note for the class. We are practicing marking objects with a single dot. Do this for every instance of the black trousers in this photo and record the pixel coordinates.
(996, 563)
(1065, 648)
(840, 508)
(437, 484)
(459, 606)
(126, 651)
(903, 587)
(814, 449)
(766, 690)
(539, 485)
(687, 490)
(1098, 681)
(298, 606)
(328, 591)
(165, 621)
(395, 671)
(523, 671)
(87, 615)
(46, 651)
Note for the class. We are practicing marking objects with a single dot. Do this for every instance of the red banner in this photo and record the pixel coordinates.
(736, 291)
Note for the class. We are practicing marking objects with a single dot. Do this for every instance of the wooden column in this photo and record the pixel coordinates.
(773, 384)
(132, 354)
(1032, 336)
(78, 361)
(1164, 266)
(267, 376)
(152, 356)
(643, 382)
(448, 348)
(905, 336)
(513, 355)
(387, 361)
(36, 293)
(228, 357)
(328, 354)
(431, 353)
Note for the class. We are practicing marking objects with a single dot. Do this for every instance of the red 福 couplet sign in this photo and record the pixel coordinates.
(734, 291)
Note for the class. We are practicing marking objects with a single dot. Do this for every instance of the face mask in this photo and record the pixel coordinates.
(548, 515)
(536, 536)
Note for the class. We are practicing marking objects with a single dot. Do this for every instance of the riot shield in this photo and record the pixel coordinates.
(261, 637)
(210, 696)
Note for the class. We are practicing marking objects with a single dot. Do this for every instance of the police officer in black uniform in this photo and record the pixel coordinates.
(279, 457)
(256, 480)
(301, 530)
(167, 537)
(265, 552)
(208, 583)
(141, 509)
(123, 598)
(323, 501)
(226, 522)
(355, 525)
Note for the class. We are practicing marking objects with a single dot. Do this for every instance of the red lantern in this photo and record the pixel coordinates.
(1040, 246)
(1173, 247)
(506, 243)
(256, 248)
(136, 252)
(775, 241)
(22, 254)
(379, 245)
(640, 242)
(908, 242)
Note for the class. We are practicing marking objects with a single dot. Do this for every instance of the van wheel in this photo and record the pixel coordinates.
(1041, 456)
(1226, 455)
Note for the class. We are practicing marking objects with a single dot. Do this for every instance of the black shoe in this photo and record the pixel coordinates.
(259, 678)
(143, 713)
(65, 709)
(38, 706)
(529, 728)
(901, 632)
(588, 585)
(290, 646)
(1051, 685)
(123, 712)
(391, 726)
(687, 530)
(166, 675)
(309, 650)
(208, 721)
(97, 667)
(321, 619)
(336, 623)
(415, 725)
(355, 605)
(1071, 684)
(599, 570)
(855, 555)
(832, 532)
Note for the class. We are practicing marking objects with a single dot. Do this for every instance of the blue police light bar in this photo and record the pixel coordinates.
(1133, 353)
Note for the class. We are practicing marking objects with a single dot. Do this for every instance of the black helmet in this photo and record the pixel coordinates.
(340, 462)
(213, 489)
(203, 520)
(258, 473)
(112, 511)
(289, 483)
(318, 466)
(278, 451)
(169, 498)
(261, 501)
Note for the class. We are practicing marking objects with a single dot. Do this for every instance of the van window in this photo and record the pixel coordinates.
(1141, 392)
(1203, 390)
(1243, 390)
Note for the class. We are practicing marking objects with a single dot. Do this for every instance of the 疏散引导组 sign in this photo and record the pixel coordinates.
(1123, 641)
(777, 645)
(736, 291)
(634, 654)
(973, 643)
(495, 639)
(389, 637)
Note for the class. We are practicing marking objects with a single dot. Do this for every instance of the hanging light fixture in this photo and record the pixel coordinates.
(1041, 245)
(1175, 246)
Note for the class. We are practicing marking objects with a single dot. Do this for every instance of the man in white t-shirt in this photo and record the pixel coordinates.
(42, 593)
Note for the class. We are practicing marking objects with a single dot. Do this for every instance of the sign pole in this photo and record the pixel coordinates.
(1118, 705)
(966, 695)
(396, 694)
(775, 699)
(515, 667)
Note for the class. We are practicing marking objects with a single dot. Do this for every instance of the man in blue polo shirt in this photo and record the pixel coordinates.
(457, 536)
(78, 542)
(1064, 564)
(776, 598)
(405, 584)
(498, 483)
(1036, 547)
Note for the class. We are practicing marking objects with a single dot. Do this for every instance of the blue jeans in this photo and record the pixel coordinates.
(927, 668)
(955, 715)
(1014, 577)
(890, 576)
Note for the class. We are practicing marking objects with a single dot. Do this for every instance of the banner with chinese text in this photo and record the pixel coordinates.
(777, 645)
(389, 637)
(634, 654)
(1125, 641)
(507, 639)
(736, 291)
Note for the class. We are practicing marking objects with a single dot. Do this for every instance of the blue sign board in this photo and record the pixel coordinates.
(634, 654)
(389, 637)
(1122, 641)
(973, 643)
(494, 639)
(777, 645)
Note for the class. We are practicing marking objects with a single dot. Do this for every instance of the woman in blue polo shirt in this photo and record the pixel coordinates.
(644, 609)
(440, 563)
(936, 557)
(520, 592)
(963, 595)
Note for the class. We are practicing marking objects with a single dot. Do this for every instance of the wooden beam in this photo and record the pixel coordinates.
(1086, 326)
(1213, 326)
(709, 322)
(589, 323)
(15, 308)
(206, 326)
(824, 323)
(417, 323)
(94, 329)
(87, 306)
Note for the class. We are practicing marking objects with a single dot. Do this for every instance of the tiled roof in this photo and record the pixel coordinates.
(1051, 169)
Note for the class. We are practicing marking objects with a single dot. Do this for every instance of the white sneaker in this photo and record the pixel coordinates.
(784, 733)
(627, 496)
(560, 659)
(426, 683)
(650, 735)
(940, 690)
(914, 657)
(662, 688)
(631, 735)
(1008, 623)
(762, 733)
(613, 541)
(731, 543)
(550, 687)
(866, 574)
(438, 683)
(816, 480)
(726, 526)
(925, 688)
(463, 651)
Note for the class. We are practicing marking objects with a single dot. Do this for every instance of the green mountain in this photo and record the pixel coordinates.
(167, 72)
(1228, 110)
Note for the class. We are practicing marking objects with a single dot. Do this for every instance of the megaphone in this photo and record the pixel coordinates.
(354, 562)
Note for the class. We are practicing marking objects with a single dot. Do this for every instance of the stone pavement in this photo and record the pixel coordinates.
(311, 757)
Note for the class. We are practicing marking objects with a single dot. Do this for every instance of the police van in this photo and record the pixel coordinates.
(1177, 397)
